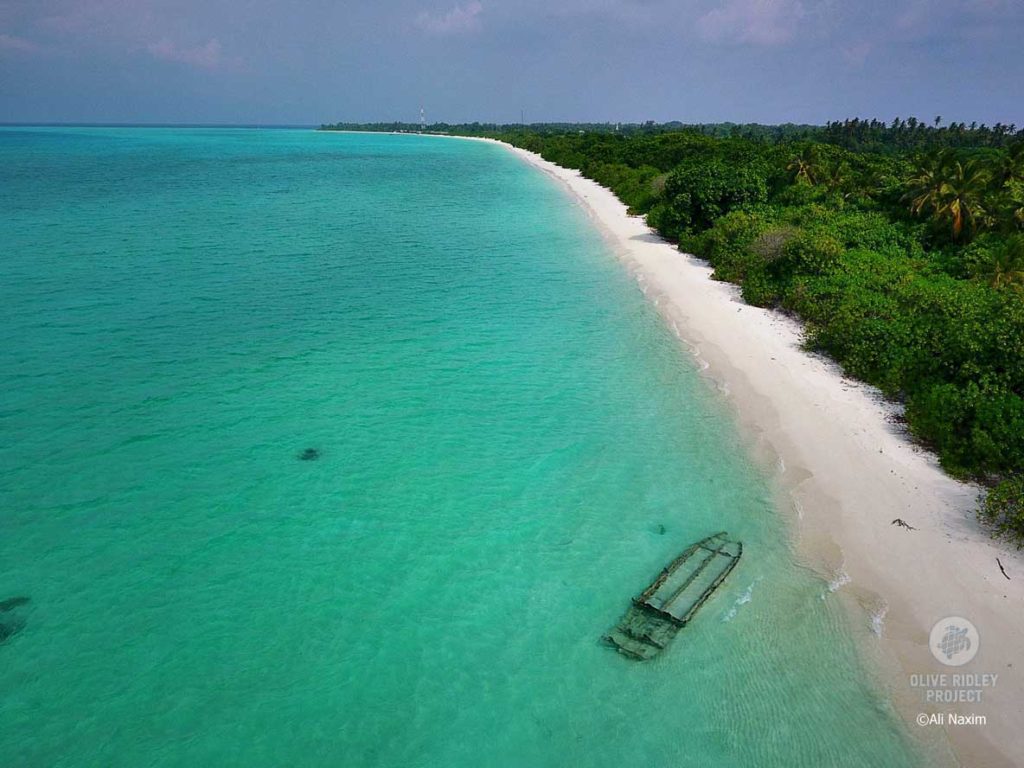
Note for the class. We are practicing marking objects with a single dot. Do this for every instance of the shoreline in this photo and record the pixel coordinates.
(845, 471)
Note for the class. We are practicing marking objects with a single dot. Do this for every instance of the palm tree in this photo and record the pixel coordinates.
(1006, 269)
(950, 190)
(1014, 200)
(804, 166)
(964, 196)
(924, 187)
(838, 177)
(1010, 166)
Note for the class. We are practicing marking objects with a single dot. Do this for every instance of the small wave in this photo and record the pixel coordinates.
(878, 619)
(694, 350)
(744, 598)
(838, 580)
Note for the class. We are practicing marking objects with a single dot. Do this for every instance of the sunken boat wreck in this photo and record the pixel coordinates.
(672, 599)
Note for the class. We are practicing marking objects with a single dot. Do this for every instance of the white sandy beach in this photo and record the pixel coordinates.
(847, 472)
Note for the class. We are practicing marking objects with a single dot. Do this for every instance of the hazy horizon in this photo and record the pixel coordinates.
(765, 61)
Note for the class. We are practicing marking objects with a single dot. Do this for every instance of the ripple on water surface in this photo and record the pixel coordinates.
(346, 450)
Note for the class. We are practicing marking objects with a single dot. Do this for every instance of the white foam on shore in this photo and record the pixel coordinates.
(878, 619)
(838, 580)
(745, 597)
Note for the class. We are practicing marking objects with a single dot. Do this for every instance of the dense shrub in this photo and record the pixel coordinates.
(699, 193)
(1003, 508)
(808, 253)
(727, 246)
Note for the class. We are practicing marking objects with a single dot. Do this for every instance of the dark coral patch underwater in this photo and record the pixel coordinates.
(13, 624)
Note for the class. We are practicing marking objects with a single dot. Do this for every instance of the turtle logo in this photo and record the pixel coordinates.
(954, 641)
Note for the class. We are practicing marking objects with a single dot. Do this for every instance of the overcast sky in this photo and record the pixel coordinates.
(312, 61)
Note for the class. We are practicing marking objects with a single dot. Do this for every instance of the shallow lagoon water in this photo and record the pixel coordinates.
(509, 445)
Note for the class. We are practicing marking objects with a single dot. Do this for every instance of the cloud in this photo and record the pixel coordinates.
(959, 18)
(14, 44)
(856, 54)
(206, 56)
(458, 20)
(105, 19)
(758, 22)
(133, 27)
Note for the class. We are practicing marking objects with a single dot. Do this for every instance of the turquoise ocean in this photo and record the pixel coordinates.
(510, 445)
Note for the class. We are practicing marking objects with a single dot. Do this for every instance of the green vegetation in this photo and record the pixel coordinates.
(912, 134)
(901, 247)
(1003, 508)
(789, 131)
